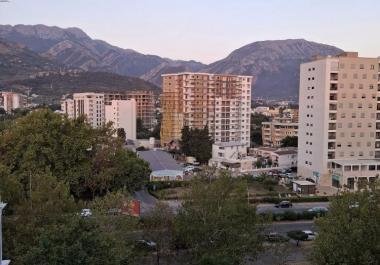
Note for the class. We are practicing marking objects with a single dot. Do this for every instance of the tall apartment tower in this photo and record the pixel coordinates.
(12, 100)
(90, 105)
(339, 120)
(221, 102)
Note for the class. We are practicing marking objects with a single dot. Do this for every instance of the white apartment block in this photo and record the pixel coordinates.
(90, 105)
(223, 102)
(122, 114)
(339, 120)
(12, 101)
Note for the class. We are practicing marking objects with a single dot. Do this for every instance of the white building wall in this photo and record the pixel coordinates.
(122, 113)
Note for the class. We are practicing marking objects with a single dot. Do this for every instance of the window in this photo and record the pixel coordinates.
(361, 66)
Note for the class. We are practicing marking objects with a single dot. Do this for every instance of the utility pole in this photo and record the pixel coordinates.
(3, 262)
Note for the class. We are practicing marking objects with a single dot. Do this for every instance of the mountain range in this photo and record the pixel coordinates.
(274, 64)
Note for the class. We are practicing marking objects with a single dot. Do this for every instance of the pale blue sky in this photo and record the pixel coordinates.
(207, 30)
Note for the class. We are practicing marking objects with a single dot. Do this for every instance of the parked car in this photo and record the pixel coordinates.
(86, 213)
(284, 204)
(275, 237)
(310, 234)
(354, 205)
(146, 244)
(320, 210)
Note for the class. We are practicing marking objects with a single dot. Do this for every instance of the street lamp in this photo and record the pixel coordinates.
(3, 262)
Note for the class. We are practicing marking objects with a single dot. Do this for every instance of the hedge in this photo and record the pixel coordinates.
(291, 215)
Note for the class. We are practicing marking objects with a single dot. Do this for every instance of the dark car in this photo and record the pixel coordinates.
(284, 204)
(275, 237)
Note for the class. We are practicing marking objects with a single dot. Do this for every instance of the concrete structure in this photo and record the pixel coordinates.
(222, 102)
(68, 108)
(12, 101)
(144, 104)
(339, 121)
(232, 156)
(273, 132)
(354, 174)
(303, 187)
(164, 167)
(278, 157)
(3, 262)
(122, 114)
(91, 106)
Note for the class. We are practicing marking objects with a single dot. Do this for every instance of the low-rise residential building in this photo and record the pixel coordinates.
(303, 187)
(163, 166)
(276, 157)
(12, 101)
(122, 114)
(232, 156)
(354, 174)
(273, 132)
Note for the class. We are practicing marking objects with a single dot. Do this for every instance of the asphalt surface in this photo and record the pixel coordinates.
(284, 227)
(147, 201)
(297, 207)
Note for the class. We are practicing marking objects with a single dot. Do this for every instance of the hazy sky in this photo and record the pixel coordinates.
(207, 30)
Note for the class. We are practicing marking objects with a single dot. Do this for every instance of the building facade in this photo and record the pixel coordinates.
(144, 104)
(122, 114)
(12, 101)
(339, 122)
(90, 105)
(273, 132)
(221, 102)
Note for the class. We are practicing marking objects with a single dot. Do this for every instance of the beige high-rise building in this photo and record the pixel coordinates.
(339, 120)
(12, 100)
(68, 107)
(273, 132)
(221, 102)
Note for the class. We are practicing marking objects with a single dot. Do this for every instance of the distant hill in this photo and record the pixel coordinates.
(274, 64)
(75, 48)
(17, 62)
(57, 84)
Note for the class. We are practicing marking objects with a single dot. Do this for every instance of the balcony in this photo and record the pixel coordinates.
(334, 76)
(377, 125)
(331, 145)
(331, 155)
(332, 135)
(377, 145)
(378, 106)
(332, 126)
(332, 116)
(333, 87)
(333, 96)
(332, 106)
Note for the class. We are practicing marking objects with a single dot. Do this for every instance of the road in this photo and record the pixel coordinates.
(297, 207)
(284, 227)
(147, 201)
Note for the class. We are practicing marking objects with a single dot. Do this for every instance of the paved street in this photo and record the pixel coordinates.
(147, 201)
(297, 207)
(284, 227)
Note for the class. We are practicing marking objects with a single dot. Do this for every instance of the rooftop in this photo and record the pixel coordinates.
(195, 73)
(286, 152)
(349, 162)
(229, 144)
(159, 160)
(303, 182)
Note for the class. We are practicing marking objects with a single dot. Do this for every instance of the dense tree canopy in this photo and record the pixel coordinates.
(289, 141)
(217, 223)
(91, 161)
(350, 232)
(197, 143)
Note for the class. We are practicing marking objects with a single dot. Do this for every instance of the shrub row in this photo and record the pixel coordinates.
(292, 199)
(291, 216)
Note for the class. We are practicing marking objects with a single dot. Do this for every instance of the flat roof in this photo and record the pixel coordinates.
(159, 160)
(349, 162)
(304, 182)
(195, 73)
(286, 152)
(227, 144)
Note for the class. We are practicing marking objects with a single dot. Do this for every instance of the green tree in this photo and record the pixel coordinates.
(141, 131)
(297, 235)
(256, 133)
(217, 223)
(121, 134)
(289, 141)
(196, 142)
(158, 227)
(349, 233)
